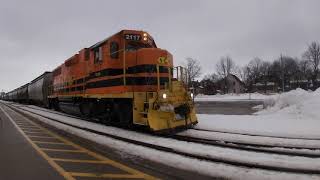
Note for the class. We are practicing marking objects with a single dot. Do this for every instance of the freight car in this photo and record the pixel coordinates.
(124, 79)
(13, 95)
(39, 89)
(22, 94)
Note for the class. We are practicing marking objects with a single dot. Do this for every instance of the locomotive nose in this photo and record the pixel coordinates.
(154, 56)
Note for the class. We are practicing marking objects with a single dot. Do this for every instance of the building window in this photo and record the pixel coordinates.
(114, 50)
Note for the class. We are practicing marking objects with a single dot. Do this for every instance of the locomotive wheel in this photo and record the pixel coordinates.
(50, 106)
(123, 112)
(86, 108)
(56, 105)
(108, 115)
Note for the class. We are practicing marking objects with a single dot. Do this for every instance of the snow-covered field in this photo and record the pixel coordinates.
(293, 114)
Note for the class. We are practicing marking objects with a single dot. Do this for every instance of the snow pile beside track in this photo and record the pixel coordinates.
(291, 114)
(298, 103)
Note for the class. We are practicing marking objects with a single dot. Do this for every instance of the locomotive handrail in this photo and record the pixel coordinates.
(181, 74)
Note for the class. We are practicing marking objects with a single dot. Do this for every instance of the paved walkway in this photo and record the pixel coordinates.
(30, 151)
(226, 107)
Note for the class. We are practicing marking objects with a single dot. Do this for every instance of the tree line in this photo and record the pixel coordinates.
(283, 71)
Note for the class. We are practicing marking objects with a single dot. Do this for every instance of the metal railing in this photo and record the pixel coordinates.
(180, 73)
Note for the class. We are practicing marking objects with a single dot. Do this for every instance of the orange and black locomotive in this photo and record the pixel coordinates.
(124, 79)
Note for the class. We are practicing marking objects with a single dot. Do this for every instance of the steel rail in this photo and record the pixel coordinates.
(256, 135)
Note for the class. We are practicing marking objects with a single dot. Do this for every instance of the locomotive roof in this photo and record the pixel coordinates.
(100, 43)
(103, 41)
(106, 39)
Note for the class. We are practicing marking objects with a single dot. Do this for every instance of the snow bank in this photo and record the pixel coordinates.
(299, 103)
(233, 97)
(270, 125)
(291, 114)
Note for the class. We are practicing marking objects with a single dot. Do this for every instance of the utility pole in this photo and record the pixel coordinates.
(281, 62)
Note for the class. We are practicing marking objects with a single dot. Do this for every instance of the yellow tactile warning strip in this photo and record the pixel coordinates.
(40, 137)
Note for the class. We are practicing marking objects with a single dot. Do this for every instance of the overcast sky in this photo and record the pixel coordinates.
(36, 36)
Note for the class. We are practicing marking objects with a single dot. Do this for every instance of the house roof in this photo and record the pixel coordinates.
(236, 77)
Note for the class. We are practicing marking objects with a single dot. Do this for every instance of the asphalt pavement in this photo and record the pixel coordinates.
(227, 107)
(18, 159)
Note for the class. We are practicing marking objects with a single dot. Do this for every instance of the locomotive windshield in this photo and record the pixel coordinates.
(133, 46)
(138, 41)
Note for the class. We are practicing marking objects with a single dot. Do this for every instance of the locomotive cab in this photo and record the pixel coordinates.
(164, 102)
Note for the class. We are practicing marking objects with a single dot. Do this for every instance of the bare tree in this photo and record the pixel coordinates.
(313, 56)
(265, 71)
(252, 71)
(193, 69)
(304, 66)
(304, 69)
(211, 77)
(254, 68)
(224, 67)
(243, 73)
(284, 71)
(257, 71)
(208, 83)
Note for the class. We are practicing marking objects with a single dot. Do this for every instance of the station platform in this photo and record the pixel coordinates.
(30, 151)
(33, 150)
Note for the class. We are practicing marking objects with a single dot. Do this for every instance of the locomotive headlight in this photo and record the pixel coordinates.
(164, 96)
(145, 38)
(145, 34)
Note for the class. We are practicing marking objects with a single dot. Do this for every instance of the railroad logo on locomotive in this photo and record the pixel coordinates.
(163, 60)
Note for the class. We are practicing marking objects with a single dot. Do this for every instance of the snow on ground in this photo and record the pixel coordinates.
(233, 97)
(291, 114)
(177, 161)
(254, 140)
(205, 150)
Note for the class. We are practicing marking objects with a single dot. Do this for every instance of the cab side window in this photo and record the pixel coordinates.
(87, 54)
(98, 54)
(114, 50)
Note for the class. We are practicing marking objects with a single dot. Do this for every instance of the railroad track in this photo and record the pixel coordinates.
(296, 144)
(284, 150)
(58, 113)
(222, 143)
(302, 152)
(256, 135)
(188, 154)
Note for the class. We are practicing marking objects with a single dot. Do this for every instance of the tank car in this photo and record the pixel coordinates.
(22, 94)
(39, 89)
(13, 95)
